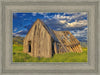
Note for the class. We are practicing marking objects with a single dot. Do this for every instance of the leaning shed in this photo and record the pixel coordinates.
(42, 41)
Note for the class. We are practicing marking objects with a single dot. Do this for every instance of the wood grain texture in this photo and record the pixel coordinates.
(68, 42)
(40, 41)
(43, 44)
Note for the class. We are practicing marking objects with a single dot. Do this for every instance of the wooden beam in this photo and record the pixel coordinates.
(55, 48)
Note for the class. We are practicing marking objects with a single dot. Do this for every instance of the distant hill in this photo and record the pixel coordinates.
(18, 40)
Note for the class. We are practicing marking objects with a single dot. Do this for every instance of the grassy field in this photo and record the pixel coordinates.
(19, 56)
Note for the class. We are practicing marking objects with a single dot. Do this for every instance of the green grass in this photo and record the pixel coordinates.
(19, 56)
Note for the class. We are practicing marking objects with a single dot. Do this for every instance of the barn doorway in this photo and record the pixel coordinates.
(29, 46)
(53, 52)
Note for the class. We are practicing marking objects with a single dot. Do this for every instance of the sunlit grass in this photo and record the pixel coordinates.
(19, 56)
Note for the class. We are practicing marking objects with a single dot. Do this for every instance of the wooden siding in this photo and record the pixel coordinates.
(41, 45)
(45, 42)
(68, 43)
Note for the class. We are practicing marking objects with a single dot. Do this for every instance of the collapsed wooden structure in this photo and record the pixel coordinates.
(67, 42)
(42, 41)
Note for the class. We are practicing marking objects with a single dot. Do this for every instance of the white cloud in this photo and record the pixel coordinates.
(86, 29)
(34, 13)
(14, 34)
(58, 16)
(74, 16)
(58, 29)
(21, 32)
(41, 13)
(15, 29)
(77, 15)
(80, 33)
(62, 21)
(79, 23)
(23, 14)
(68, 20)
(27, 19)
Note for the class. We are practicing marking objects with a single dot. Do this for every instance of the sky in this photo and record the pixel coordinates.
(75, 22)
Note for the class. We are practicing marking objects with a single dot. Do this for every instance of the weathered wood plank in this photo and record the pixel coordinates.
(41, 41)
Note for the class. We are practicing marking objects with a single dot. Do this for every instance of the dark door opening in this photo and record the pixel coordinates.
(53, 52)
(29, 46)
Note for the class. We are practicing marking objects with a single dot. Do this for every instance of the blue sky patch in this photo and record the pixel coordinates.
(75, 22)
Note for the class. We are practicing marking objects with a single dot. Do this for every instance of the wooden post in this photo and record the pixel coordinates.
(55, 48)
(68, 42)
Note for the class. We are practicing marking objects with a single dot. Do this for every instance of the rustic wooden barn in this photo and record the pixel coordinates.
(42, 41)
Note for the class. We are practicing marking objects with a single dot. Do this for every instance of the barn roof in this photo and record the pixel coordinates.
(50, 31)
(67, 42)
